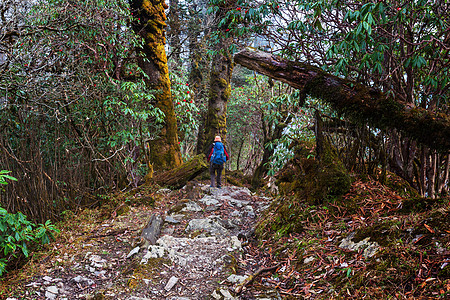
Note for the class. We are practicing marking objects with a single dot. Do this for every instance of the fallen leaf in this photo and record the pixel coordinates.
(429, 228)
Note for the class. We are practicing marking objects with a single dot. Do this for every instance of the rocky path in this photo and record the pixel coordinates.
(203, 236)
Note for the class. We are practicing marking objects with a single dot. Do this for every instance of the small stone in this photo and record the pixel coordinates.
(133, 252)
(226, 294)
(33, 284)
(192, 206)
(236, 278)
(171, 220)
(47, 278)
(97, 259)
(51, 292)
(308, 260)
(171, 283)
(53, 289)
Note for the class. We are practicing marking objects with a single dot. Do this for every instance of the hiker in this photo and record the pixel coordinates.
(217, 156)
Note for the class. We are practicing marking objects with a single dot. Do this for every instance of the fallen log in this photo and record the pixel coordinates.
(179, 176)
(352, 99)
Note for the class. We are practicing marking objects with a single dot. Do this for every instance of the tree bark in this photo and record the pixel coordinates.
(445, 176)
(150, 25)
(220, 82)
(174, 23)
(219, 93)
(356, 101)
(178, 177)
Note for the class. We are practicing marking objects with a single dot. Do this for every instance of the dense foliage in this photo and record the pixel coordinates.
(17, 233)
(75, 104)
(399, 47)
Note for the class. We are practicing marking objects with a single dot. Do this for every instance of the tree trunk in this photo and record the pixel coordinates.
(241, 145)
(178, 177)
(220, 80)
(174, 33)
(197, 69)
(219, 93)
(269, 136)
(423, 172)
(431, 175)
(360, 103)
(445, 175)
(150, 25)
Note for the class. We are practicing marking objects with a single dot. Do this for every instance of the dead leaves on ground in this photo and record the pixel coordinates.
(415, 265)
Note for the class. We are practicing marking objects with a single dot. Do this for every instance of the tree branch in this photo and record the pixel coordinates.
(354, 100)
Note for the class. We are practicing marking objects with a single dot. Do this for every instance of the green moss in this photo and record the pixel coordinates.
(315, 181)
(153, 267)
(401, 186)
(444, 272)
(437, 221)
(420, 204)
(177, 208)
(123, 209)
(384, 233)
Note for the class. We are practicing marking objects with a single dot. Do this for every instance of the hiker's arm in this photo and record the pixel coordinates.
(226, 152)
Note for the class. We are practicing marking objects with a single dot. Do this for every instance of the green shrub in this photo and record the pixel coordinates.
(17, 233)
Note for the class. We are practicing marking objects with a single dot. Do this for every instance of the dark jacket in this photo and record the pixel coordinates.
(210, 152)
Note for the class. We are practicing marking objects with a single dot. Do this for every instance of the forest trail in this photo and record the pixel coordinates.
(203, 239)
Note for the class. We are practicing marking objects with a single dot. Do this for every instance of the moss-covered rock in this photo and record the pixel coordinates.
(313, 180)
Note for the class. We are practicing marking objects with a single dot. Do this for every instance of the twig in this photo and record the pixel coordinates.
(252, 277)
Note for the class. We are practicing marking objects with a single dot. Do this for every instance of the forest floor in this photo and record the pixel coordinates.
(374, 243)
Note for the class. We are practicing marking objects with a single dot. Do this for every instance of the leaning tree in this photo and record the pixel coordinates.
(399, 48)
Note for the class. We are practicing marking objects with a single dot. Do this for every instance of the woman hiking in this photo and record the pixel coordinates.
(217, 156)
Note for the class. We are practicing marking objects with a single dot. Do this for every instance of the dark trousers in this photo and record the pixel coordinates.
(216, 174)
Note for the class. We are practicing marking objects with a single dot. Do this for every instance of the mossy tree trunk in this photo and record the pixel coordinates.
(150, 25)
(178, 177)
(219, 93)
(358, 102)
(174, 33)
(219, 85)
(198, 69)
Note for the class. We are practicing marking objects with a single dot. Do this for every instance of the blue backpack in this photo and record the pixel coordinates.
(218, 157)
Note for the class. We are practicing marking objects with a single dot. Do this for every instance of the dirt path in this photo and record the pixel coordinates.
(203, 237)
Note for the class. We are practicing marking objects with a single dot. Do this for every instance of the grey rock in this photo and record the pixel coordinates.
(80, 279)
(208, 225)
(171, 220)
(370, 248)
(238, 203)
(192, 206)
(153, 252)
(134, 251)
(210, 200)
(171, 283)
(153, 229)
(236, 278)
(51, 292)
